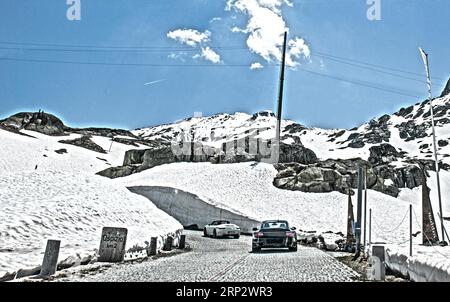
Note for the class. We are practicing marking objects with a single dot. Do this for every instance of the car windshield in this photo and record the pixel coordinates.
(274, 225)
(221, 222)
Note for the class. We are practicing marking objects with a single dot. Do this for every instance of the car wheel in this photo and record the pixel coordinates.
(215, 234)
(255, 249)
(236, 236)
(205, 233)
(293, 248)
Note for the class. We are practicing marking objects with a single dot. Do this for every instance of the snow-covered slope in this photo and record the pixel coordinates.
(408, 130)
(46, 195)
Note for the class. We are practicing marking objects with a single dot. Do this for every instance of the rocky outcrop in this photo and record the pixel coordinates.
(84, 142)
(321, 177)
(446, 90)
(384, 154)
(377, 132)
(341, 175)
(102, 132)
(41, 122)
(410, 130)
(140, 160)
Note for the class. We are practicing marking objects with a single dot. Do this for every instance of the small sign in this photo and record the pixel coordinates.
(112, 244)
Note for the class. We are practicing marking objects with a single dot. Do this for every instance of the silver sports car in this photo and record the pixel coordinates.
(221, 228)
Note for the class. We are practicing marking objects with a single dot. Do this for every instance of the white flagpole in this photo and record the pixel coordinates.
(427, 69)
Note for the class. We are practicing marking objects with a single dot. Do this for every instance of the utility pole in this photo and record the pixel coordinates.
(359, 211)
(280, 94)
(430, 97)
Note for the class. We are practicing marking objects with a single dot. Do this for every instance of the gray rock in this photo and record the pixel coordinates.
(70, 261)
(84, 142)
(116, 172)
(383, 153)
(28, 272)
(442, 143)
(8, 277)
(357, 144)
(61, 151)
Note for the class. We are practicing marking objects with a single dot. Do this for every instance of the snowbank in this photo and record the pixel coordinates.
(420, 268)
(45, 195)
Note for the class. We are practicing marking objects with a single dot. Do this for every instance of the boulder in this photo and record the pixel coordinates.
(61, 151)
(116, 172)
(383, 153)
(69, 262)
(28, 272)
(8, 277)
(442, 143)
(296, 153)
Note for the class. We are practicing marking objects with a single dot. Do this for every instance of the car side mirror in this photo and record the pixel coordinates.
(254, 229)
(293, 228)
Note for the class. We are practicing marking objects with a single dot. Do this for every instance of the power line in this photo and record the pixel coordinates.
(115, 48)
(364, 84)
(359, 83)
(124, 64)
(112, 47)
(333, 57)
(371, 68)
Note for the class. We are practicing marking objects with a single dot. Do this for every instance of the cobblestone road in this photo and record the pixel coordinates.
(231, 260)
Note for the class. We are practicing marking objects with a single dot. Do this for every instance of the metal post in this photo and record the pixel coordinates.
(430, 97)
(365, 207)
(182, 243)
(370, 226)
(359, 211)
(410, 231)
(446, 234)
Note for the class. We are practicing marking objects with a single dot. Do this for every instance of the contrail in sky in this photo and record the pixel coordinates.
(154, 82)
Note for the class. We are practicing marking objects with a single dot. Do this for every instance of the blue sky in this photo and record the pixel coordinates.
(337, 33)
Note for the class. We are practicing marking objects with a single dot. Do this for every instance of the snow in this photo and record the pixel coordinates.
(63, 199)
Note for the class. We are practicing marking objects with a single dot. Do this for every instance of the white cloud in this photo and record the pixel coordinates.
(265, 29)
(256, 66)
(195, 39)
(190, 37)
(209, 55)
